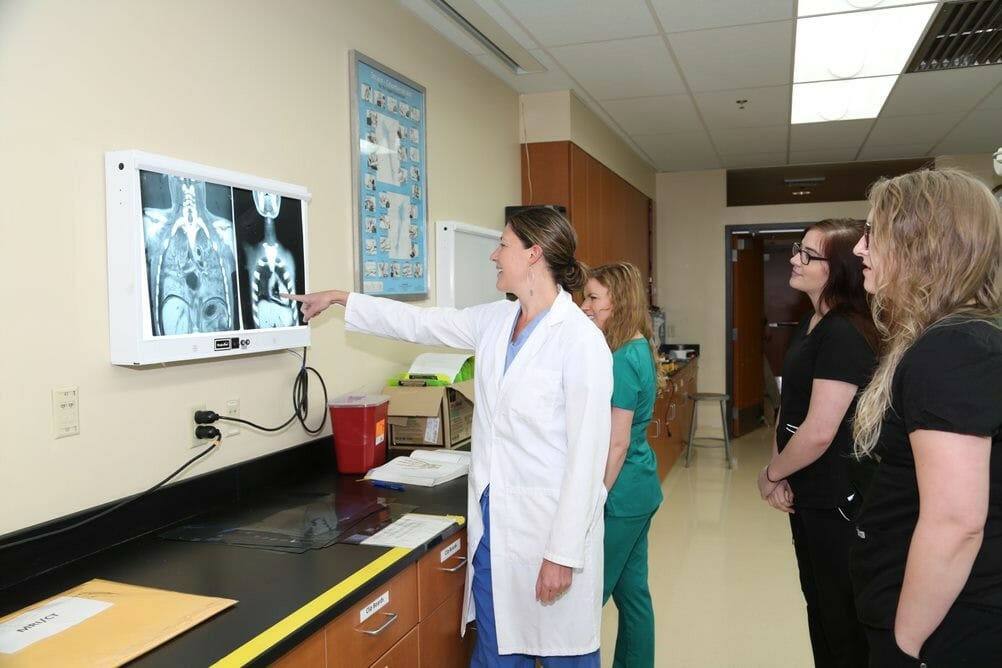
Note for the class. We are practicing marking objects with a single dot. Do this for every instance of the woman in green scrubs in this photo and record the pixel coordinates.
(615, 301)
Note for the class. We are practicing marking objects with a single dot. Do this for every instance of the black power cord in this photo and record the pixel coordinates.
(300, 405)
(211, 432)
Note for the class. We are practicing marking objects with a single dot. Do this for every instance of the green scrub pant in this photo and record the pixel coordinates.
(626, 582)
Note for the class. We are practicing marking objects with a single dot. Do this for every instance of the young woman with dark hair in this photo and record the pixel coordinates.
(811, 474)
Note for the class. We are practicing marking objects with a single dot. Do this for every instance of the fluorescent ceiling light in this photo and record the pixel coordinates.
(858, 44)
(840, 100)
(815, 7)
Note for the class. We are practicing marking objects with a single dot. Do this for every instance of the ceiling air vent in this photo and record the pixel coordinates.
(962, 34)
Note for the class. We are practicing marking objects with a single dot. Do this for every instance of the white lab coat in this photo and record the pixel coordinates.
(540, 440)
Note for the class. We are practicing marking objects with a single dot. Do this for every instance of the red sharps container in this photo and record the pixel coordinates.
(359, 425)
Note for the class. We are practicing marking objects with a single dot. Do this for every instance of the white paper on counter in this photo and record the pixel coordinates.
(412, 530)
(46, 621)
(433, 364)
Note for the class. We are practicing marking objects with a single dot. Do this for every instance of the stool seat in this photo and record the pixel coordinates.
(724, 442)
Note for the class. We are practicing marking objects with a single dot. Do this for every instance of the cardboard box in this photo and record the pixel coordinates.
(439, 416)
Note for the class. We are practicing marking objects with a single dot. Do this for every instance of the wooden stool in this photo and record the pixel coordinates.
(724, 442)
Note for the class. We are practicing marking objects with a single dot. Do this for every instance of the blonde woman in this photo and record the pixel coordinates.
(927, 566)
(615, 300)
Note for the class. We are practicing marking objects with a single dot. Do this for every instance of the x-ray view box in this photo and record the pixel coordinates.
(197, 259)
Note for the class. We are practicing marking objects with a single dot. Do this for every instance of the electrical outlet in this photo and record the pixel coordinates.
(65, 411)
(233, 411)
(195, 441)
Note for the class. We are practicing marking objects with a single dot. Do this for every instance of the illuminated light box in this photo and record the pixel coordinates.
(197, 258)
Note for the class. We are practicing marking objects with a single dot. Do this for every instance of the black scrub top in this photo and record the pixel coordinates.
(949, 380)
(833, 350)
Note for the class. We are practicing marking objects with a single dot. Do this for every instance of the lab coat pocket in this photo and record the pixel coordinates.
(529, 519)
(538, 395)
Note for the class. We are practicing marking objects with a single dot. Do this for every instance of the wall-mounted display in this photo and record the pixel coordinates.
(391, 183)
(198, 258)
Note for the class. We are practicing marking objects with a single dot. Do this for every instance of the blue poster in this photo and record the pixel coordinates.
(392, 183)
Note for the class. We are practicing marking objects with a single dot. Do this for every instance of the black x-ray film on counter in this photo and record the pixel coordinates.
(198, 258)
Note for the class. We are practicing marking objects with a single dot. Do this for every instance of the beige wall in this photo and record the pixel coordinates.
(252, 86)
(690, 270)
(561, 116)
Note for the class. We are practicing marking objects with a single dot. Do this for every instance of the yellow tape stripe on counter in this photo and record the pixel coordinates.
(280, 631)
(264, 641)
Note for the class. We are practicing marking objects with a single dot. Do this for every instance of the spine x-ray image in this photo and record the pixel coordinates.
(190, 254)
(269, 230)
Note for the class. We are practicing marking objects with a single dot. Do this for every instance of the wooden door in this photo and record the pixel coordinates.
(747, 320)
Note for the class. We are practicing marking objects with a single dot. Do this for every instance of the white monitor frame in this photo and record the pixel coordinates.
(133, 342)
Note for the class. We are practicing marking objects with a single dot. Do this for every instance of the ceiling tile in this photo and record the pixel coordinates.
(980, 132)
(444, 26)
(506, 21)
(558, 22)
(822, 156)
(679, 151)
(893, 152)
(552, 79)
(654, 115)
(740, 57)
(680, 15)
(925, 129)
(764, 107)
(750, 140)
(993, 101)
(608, 70)
(749, 160)
(942, 91)
(847, 135)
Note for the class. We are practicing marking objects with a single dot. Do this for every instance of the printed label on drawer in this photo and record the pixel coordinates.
(380, 431)
(431, 430)
(373, 608)
(449, 551)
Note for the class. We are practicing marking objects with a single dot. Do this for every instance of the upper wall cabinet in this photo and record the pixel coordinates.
(611, 217)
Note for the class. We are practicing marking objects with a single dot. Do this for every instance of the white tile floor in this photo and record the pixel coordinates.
(722, 570)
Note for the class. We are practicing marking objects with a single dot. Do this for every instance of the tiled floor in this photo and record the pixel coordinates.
(722, 570)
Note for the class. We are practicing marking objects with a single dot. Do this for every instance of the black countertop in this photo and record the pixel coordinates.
(269, 586)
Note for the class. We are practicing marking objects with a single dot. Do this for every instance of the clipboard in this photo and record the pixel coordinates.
(124, 622)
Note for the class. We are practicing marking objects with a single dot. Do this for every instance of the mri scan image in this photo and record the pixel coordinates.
(269, 234)
(190, 255)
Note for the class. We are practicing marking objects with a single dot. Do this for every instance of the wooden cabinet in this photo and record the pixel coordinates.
(405, 654)
(371, 627)
(670, 422)
(611, 217)
(411, 621)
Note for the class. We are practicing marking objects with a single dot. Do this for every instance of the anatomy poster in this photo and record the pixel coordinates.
(392, 220)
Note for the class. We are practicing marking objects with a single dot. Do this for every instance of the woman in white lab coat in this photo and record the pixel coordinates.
(540, 442)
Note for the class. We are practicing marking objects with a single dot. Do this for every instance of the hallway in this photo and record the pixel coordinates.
(722, 569)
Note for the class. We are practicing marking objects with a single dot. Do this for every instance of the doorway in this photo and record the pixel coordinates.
(762, 312)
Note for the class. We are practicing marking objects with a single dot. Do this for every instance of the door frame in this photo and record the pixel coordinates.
(729, 232)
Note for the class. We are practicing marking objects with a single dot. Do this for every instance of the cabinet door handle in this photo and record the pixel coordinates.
(674, 411)
(392, 618)
(456, 568)
(657, 432)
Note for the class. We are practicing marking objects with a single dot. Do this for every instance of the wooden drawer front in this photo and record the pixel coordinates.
(308, 654)
(441, 572)
(405, 654)
(441, 645)
(389, 613)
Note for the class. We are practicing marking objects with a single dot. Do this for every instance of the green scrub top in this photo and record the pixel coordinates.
(637, 490)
